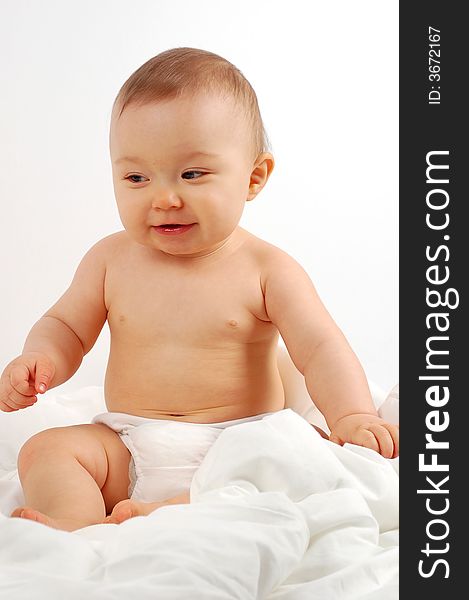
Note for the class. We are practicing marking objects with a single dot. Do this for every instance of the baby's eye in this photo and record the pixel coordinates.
(132, 178)
(190, 174)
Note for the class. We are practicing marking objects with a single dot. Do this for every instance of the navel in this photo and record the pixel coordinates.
(233, 323)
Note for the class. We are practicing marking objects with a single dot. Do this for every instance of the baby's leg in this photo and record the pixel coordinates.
(73, 476)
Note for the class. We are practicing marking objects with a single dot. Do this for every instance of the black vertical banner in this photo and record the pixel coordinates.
(434, 358)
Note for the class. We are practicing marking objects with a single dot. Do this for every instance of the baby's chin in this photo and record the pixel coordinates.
(187, 245)
(198, 253)
(201, 251)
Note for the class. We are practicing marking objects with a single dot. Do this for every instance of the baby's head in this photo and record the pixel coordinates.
(188, 72)
(187, 146)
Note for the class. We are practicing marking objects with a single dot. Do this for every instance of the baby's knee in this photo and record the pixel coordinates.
(42, 444)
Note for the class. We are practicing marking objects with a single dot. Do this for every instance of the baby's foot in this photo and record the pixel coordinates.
(24, 512)
(126, 509)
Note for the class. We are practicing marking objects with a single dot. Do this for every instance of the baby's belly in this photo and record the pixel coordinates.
(199, 385)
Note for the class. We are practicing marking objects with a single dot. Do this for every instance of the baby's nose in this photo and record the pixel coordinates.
(165, 198)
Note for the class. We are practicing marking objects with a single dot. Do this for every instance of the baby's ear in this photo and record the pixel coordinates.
(261, 172)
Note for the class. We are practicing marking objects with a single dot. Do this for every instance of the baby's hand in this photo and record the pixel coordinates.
(367, 430)
(26, 376)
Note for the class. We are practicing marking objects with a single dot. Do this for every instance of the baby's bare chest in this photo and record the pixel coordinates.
(150, 304)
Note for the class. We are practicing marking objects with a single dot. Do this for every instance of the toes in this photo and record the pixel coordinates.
(126, 509)
(17, 512)
(121, 512)
(25, 512)
(34, 515)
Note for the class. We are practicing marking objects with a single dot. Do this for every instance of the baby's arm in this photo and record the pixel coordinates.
(56, 344)
(334, 377)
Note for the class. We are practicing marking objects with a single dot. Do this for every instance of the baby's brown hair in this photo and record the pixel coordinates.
(179, 71)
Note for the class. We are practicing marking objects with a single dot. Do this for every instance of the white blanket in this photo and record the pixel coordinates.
(276, 512)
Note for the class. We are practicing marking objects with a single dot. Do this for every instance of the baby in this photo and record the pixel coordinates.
(195, 305)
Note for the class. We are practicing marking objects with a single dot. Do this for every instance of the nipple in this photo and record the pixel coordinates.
(233, 323)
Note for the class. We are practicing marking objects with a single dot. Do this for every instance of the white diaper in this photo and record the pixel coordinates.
(165, 453)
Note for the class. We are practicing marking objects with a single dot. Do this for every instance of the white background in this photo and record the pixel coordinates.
(327, 82)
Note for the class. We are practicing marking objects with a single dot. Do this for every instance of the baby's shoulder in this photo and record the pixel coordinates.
(266, 254)
(274, 264)
(109, 247)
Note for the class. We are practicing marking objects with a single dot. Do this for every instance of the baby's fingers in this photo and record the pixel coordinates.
(10, 405)
(394, 433)
(17, 401)
(382, 433)
(44, 373)
(6, 407)
(367, 439)
(11, 400)
(20, 380)
(360, 437)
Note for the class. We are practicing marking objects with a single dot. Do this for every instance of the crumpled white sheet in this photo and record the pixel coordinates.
(276, 512)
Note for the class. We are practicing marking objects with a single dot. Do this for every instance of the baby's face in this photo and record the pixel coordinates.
(181, 161)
